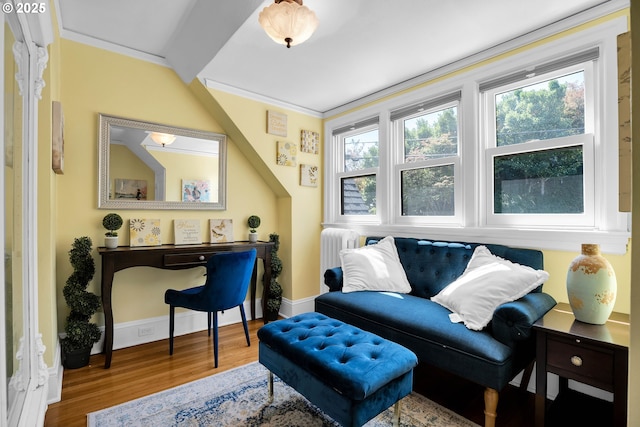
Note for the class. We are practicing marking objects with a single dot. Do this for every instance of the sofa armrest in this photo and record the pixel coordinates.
(513, 321)
(333, 278)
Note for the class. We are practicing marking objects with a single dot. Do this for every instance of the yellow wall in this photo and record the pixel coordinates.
(300, 207)
(96, 81)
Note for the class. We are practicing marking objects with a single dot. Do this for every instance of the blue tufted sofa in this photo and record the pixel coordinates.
(491, 357)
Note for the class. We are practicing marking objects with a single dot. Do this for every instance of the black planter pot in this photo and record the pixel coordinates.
(76, 359)
(271, 314)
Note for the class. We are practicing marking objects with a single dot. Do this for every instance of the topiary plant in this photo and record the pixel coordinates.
(253, 222)
(80, 332)
(112, 222)
(274, 292)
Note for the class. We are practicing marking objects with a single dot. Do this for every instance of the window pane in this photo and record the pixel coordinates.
(545, 110)
(428, 191)
(541, 182)
(431, 136)
(359, 195)
(361, 151)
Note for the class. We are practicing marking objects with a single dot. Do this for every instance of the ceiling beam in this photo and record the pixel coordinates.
(206, 29)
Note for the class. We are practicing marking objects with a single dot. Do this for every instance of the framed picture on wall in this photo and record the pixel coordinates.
(57, 138)
(130, 189)
(196, 190)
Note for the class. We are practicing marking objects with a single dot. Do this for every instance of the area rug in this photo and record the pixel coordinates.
(238, 397)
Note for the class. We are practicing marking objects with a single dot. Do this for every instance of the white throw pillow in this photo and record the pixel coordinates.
(487, 282)
(374, 268)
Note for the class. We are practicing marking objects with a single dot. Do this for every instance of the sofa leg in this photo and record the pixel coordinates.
(490, 407)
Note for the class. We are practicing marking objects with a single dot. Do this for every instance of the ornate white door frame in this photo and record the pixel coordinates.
(28, 385)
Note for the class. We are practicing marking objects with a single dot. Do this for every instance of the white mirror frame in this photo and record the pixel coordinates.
(104, 138)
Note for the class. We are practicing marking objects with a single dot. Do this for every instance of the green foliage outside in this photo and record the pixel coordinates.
(537, 182)
(541, 182)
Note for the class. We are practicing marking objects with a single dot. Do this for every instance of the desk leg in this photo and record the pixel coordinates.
(107, 284)
(254, 281)
(266, 282)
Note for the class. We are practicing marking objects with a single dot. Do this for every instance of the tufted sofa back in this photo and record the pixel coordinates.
(432, 265)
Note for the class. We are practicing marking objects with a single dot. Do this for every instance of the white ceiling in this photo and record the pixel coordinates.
(360, 47)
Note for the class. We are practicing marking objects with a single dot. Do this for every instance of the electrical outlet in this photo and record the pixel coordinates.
(142, 332)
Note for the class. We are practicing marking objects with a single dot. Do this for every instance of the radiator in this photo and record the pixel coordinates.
(332, 240)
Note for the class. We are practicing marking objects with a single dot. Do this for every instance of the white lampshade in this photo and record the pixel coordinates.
(288, 22)
(162, 138)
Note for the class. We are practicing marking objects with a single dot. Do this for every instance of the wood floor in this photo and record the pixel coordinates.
(146, 369)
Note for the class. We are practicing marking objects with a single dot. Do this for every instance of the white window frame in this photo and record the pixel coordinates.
(583, 220)
(338, 140)
(586, 141)
(400, 166)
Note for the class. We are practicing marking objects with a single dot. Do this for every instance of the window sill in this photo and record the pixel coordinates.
(612, 242)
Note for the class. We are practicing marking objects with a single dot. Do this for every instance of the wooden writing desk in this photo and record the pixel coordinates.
(171, 257)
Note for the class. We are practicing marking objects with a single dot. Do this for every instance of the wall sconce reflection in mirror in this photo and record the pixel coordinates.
(143, 165)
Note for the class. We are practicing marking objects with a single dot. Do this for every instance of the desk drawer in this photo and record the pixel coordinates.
(582, 362)
(193, 258)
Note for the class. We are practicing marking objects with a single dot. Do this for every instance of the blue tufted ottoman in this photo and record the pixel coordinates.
(350, 374)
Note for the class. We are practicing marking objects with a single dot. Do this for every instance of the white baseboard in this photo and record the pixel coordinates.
(290, 308)
(128, 334)
(54, 393)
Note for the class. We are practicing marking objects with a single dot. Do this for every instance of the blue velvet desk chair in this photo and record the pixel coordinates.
(228, 277)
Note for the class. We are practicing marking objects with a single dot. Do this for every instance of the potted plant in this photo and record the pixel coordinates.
(112, 222)
(81, 334)
(274, 291)
(253, 222)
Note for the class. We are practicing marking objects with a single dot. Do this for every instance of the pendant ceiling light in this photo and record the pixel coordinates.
(162, 138)
(288, 22)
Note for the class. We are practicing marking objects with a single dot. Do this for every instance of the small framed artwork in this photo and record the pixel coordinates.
(221, 230)
(187, 231)
(276, 123)
(309, 141)
(144, 232)
(287, 153)
(308, 175)
(196, 190)
(130, 189)
(57, 138)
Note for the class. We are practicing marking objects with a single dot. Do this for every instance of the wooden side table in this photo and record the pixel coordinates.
(597, 355)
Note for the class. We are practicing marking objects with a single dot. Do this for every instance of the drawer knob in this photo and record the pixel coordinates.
(201, 258)
(576, 360)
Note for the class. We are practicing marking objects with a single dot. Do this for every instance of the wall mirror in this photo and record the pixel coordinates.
(146, 165)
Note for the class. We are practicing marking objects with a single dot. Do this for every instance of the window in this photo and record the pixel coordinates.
(539, 156)
(427, 134)
(359, 163)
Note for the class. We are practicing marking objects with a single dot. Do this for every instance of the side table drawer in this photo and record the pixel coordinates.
(194, 258)
(581, 362)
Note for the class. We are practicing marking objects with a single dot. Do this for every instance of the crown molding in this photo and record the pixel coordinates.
(212, 84)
